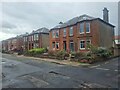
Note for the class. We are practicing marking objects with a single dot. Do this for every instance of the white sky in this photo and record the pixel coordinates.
(21, 17)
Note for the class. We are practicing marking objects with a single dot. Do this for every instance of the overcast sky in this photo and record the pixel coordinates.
(21, 17)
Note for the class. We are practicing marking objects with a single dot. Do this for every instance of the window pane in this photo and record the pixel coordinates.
(64, 32)
(53, 34)
(57, 45)
(53, 44)
(81, 27)
(71, 31)
(82, 44)
(57, 34)
(87, 27)
(71, 46)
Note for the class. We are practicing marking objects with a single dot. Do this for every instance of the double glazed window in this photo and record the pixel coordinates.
(87, 27)
(57, 45)
(35, 37)
(82, 44)
(32, 38)
(71, 31)
(57, 33)
(53, 34)
(81, 28)
(64, 32)
(71, 46)
(53, 45)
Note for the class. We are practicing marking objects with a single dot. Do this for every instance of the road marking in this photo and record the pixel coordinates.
(94, 66)
(103, 68)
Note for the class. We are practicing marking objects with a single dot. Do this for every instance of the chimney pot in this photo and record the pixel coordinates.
(105, 15)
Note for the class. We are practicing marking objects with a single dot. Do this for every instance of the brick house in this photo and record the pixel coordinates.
(25, 41)
(74, 34)
(4, 44)
(38, 39)
(13, 44)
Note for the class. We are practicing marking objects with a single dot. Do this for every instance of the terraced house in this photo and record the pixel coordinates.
(75, 34)
(37, 39)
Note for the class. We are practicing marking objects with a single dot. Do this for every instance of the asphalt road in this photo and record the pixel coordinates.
(24, 72)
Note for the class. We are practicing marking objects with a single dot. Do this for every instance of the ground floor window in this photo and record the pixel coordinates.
(35, 45)
(88, 42)
(53, 45)
(71, 46)
(57, 45)
(82, 44)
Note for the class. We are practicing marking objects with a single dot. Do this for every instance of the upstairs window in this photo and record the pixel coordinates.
(57, 33)
(81, 28)
(64, 32)
(71, 31)
(29, 38)
(35, 37)
(87, 27)
(32, 38)
(24, 39)
(53, 34)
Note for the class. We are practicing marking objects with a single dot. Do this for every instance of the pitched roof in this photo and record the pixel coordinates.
(41, 30)
(76, 20)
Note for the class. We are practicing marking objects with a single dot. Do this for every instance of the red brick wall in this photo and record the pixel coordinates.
(94, 36)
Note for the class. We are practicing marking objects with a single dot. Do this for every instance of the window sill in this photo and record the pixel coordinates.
(82, 33)
(82, 48)
(87, 32)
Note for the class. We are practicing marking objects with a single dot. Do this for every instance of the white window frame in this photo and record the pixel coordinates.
(53, 34)
(52, 45)
(36, 37)
(80, 28)
(64, 32)
(71, 28)
(56, 34)
(80, 44)
(89, 26)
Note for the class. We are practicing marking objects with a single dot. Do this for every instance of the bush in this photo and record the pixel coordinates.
(61, 55)
(35, 51)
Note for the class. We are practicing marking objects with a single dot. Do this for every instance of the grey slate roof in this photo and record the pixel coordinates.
(76, 20)
(41, 30)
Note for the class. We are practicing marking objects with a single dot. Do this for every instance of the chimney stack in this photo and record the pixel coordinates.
(105, 15)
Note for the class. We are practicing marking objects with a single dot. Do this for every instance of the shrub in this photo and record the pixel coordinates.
(35, 51)
(61, 55)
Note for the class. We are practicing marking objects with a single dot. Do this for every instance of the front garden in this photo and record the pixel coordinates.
(94, 54)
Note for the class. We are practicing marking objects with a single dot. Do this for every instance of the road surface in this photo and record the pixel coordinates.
(24, 72)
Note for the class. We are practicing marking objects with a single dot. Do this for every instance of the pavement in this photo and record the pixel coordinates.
(26, 72)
